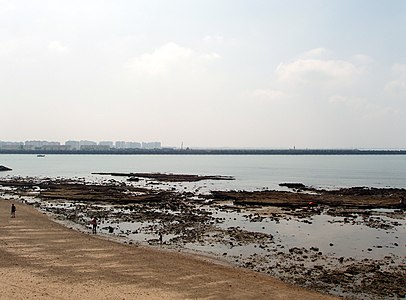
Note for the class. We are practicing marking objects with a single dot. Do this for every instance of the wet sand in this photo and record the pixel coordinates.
(40, 259)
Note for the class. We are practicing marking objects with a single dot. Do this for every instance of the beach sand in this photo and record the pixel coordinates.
(40, 259)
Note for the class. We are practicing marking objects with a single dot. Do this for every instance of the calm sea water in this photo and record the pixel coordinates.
(251, 172)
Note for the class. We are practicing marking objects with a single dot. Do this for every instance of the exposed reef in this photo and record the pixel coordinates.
(354, 197)
(168, 177)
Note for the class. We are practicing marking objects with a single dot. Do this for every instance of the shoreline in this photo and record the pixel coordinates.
(43, 259)
(262, 235)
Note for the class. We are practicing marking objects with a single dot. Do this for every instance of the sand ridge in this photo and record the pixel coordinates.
(40, 259)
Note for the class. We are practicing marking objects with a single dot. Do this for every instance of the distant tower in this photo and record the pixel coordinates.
(181, 146)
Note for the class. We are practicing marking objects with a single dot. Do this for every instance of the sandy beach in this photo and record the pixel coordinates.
(41, 259)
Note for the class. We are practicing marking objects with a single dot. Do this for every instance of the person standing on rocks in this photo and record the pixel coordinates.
(94, 225)
(13, 210)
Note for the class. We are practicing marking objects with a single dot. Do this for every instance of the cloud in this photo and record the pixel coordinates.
(349, 101)
(400, 69)
(362, 107)
(362, 59)
(312, 78)
(58, 47)
(210, 56)
(316, 53)
(7, 47)
(268, 94)
(213, 39)
(318, 72)
(168, 59)
(395, 87)
(398, 85)
(7, 7)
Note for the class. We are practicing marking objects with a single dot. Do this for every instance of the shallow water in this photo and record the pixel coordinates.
(250, 171)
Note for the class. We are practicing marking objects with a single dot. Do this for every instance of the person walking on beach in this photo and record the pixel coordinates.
(94, 225)
(13, 211)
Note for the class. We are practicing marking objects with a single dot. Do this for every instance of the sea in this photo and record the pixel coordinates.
(251, 172)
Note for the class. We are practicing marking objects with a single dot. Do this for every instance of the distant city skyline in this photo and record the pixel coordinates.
(76, 145)
(208, 73)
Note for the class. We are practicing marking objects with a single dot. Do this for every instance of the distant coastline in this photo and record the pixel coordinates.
(171, 151)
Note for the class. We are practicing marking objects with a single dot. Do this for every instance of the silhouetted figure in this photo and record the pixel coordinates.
(13, 211)
(94, 225)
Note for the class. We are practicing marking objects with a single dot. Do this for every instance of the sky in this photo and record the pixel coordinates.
(208, 73)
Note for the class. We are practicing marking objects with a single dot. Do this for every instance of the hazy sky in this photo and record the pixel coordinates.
(276, 74)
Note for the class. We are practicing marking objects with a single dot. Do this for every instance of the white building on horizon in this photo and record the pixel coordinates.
(74, 145)
(127, 145)
(87, 143)
(106, 143)
(151, 145)
(120, 144)
(40, 144)
(133, 145)
(94, 147)
(11, 145)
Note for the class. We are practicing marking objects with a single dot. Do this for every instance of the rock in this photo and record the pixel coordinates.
(3, 168)
(293, 185)
(135, 179)
(296, 250)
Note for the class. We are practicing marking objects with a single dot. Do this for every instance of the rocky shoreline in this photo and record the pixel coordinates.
(272, 232)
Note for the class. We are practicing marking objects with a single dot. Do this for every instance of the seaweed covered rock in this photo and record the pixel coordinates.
(3, 168)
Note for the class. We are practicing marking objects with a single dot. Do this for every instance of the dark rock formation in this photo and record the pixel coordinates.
(169, 177)
(299, 186)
